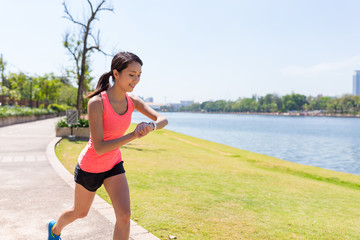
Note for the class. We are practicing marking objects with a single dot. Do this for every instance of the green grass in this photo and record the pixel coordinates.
(196, 189)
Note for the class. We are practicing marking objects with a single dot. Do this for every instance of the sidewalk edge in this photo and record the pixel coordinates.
(136, 232)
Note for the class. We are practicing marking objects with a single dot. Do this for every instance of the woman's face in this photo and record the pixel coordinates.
(129, 77)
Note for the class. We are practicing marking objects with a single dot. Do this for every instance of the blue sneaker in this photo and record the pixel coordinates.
(52, 236)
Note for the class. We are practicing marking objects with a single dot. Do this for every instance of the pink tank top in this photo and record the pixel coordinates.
(114, 126)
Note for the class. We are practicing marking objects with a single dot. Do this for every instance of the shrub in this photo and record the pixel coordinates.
(62, 123)
(9, 111)
(82, 123)
(58, 107)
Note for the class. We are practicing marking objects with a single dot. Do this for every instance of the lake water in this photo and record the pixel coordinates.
(327, 142)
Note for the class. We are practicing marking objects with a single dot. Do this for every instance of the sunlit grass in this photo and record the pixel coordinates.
(196, 189)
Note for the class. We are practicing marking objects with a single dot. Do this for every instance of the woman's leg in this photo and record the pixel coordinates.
(82, 203)
(118, 190)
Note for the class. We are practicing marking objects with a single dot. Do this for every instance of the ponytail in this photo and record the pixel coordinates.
(102, 85)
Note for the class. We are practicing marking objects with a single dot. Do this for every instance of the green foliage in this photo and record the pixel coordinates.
(62, 123)
(23, 111)
(193, 108)
(48, 88)
(293, 102)
(67, 95)
(19, 88)
(44, 90)
(272, 103)
(2, 64)
(58, 107)
(82, 123)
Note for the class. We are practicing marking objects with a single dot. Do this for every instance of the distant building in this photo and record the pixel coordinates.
(155, 106)
(177, 106)
(356, 83)
(186, 103)
(148, 100)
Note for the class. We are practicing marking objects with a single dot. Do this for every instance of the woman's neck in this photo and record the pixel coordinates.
(116, 94)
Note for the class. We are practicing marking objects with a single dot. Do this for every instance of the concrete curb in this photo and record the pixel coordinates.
(100, 205)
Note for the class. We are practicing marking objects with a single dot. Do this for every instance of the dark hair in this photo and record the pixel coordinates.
(119, 62)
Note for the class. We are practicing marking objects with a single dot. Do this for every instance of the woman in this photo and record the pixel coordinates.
(109, 111)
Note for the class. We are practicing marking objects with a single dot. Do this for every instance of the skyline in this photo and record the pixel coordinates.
(356, 83)
(201, 50)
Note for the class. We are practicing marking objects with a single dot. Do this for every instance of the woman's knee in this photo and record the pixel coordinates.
(123, 216)
(81, 213)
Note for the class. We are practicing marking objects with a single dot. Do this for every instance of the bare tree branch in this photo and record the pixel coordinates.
(106, 54)
(74, 52)
(70, 17)
(93, 38)
(99, 50)
(99, 6)
(93, 47)
(91, 7)
(81, 46)
(107, 9)
(68, 47)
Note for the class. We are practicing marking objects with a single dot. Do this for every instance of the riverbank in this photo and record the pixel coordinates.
(197, 189)
(303, 114)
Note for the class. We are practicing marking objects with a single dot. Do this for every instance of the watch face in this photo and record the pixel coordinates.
(154, 124)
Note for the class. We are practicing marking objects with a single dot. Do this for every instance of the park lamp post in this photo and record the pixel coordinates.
(30, 92)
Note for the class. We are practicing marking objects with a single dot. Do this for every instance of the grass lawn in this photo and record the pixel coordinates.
(196, 189)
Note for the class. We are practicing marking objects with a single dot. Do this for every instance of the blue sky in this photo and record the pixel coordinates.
(200, 50)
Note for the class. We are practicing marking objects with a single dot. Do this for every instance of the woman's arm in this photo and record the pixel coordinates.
(95, 112)
(140, 105)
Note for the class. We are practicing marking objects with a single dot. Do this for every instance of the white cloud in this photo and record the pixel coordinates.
(350, 64)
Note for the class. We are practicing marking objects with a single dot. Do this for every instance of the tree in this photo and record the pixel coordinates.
(19, 86)
(67, 95)
(294, 102)
(50, 88)
(195, 107)
(348, 103)
(2, 70)
(81, 45)
(249, 105)
(219, 106)
(269, 103)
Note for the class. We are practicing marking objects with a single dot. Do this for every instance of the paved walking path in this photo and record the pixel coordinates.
(35, 187)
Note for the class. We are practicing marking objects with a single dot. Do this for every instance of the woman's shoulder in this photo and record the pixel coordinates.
(96, 103)
(132, 96)
(134, 99)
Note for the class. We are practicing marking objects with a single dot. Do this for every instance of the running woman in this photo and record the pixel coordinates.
(100, 162)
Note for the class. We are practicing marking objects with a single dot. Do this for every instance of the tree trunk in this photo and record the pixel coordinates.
(79, 96)
(82, 73)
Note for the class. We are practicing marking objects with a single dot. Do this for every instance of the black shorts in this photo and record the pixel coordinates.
(92, 181)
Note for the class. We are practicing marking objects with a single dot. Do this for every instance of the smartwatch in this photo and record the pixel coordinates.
(154, 123)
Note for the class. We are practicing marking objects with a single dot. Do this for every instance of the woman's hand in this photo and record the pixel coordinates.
(142, 129)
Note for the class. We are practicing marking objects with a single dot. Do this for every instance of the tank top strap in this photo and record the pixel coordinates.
(105, 101)
(131, 105)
